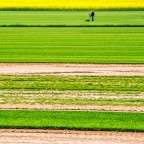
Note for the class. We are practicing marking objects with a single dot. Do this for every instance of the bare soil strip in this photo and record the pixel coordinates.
(73, 69)
(29, 136)
(71, 107)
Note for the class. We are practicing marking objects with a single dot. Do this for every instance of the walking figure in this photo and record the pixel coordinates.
(92, 14)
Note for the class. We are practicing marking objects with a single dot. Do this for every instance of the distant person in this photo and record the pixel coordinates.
(92, 14)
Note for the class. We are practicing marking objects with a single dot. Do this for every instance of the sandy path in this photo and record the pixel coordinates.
(18, 136)
(71, 107)
(73, 69)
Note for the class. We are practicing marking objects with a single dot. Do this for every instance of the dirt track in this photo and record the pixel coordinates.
(72, 107)
(17, 136)
(73, 69)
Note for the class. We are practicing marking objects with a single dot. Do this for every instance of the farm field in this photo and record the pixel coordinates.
(72, 4)
(72, 82)
(72, 90)
(78, 120)
(72, 45)
(71, 18)
(64, 37)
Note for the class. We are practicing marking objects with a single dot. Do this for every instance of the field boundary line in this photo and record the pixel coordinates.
(70, 9)
(22, 25)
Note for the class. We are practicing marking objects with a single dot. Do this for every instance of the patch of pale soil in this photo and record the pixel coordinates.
(27, 136)
(73, 69)
(72, 107)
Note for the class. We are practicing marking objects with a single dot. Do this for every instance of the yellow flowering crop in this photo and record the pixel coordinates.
(72, 4)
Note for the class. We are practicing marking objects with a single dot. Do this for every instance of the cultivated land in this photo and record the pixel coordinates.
(72, 4)
(73, 120)
(74, 45)
(71, 18)
(72, 92)
(64, 44)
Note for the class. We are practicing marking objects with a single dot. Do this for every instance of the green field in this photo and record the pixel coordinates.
(65, 37)
(72, 83)
(72, 98)
(72, 90)
(70, 18)
(72, 120)
(64, 40)
(74, 45)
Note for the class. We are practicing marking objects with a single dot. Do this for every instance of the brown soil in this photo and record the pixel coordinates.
(73, 69)
(72, 107)
(27, 136)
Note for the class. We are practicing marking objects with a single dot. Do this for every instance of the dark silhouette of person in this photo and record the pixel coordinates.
(92, 14)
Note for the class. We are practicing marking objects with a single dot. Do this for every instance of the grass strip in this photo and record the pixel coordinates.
(70, 18)
(72, 45)
(109, 83)
(77, 120)
(47, 99)
(23, 25)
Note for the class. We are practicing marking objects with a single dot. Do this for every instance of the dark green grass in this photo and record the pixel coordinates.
(59, 26)
(72, 120)
(73, 83)
(71, 18)
(73, 45)
(73, 9)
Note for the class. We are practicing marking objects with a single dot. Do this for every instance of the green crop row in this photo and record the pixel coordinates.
(72, 83)
(71, 97)
(73, 45)
(77, 120)
(71, 90)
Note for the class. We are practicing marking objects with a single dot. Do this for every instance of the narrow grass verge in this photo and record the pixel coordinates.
(77, 120)
(71, 9)
(107, 25)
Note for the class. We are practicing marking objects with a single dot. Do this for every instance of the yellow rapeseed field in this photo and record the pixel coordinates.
(72, 4)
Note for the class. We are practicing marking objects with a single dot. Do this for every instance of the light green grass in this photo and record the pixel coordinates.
(73, 45)
(74, 97)
(73, 83)
(70, 18)
(71, 90)
(72, 120)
